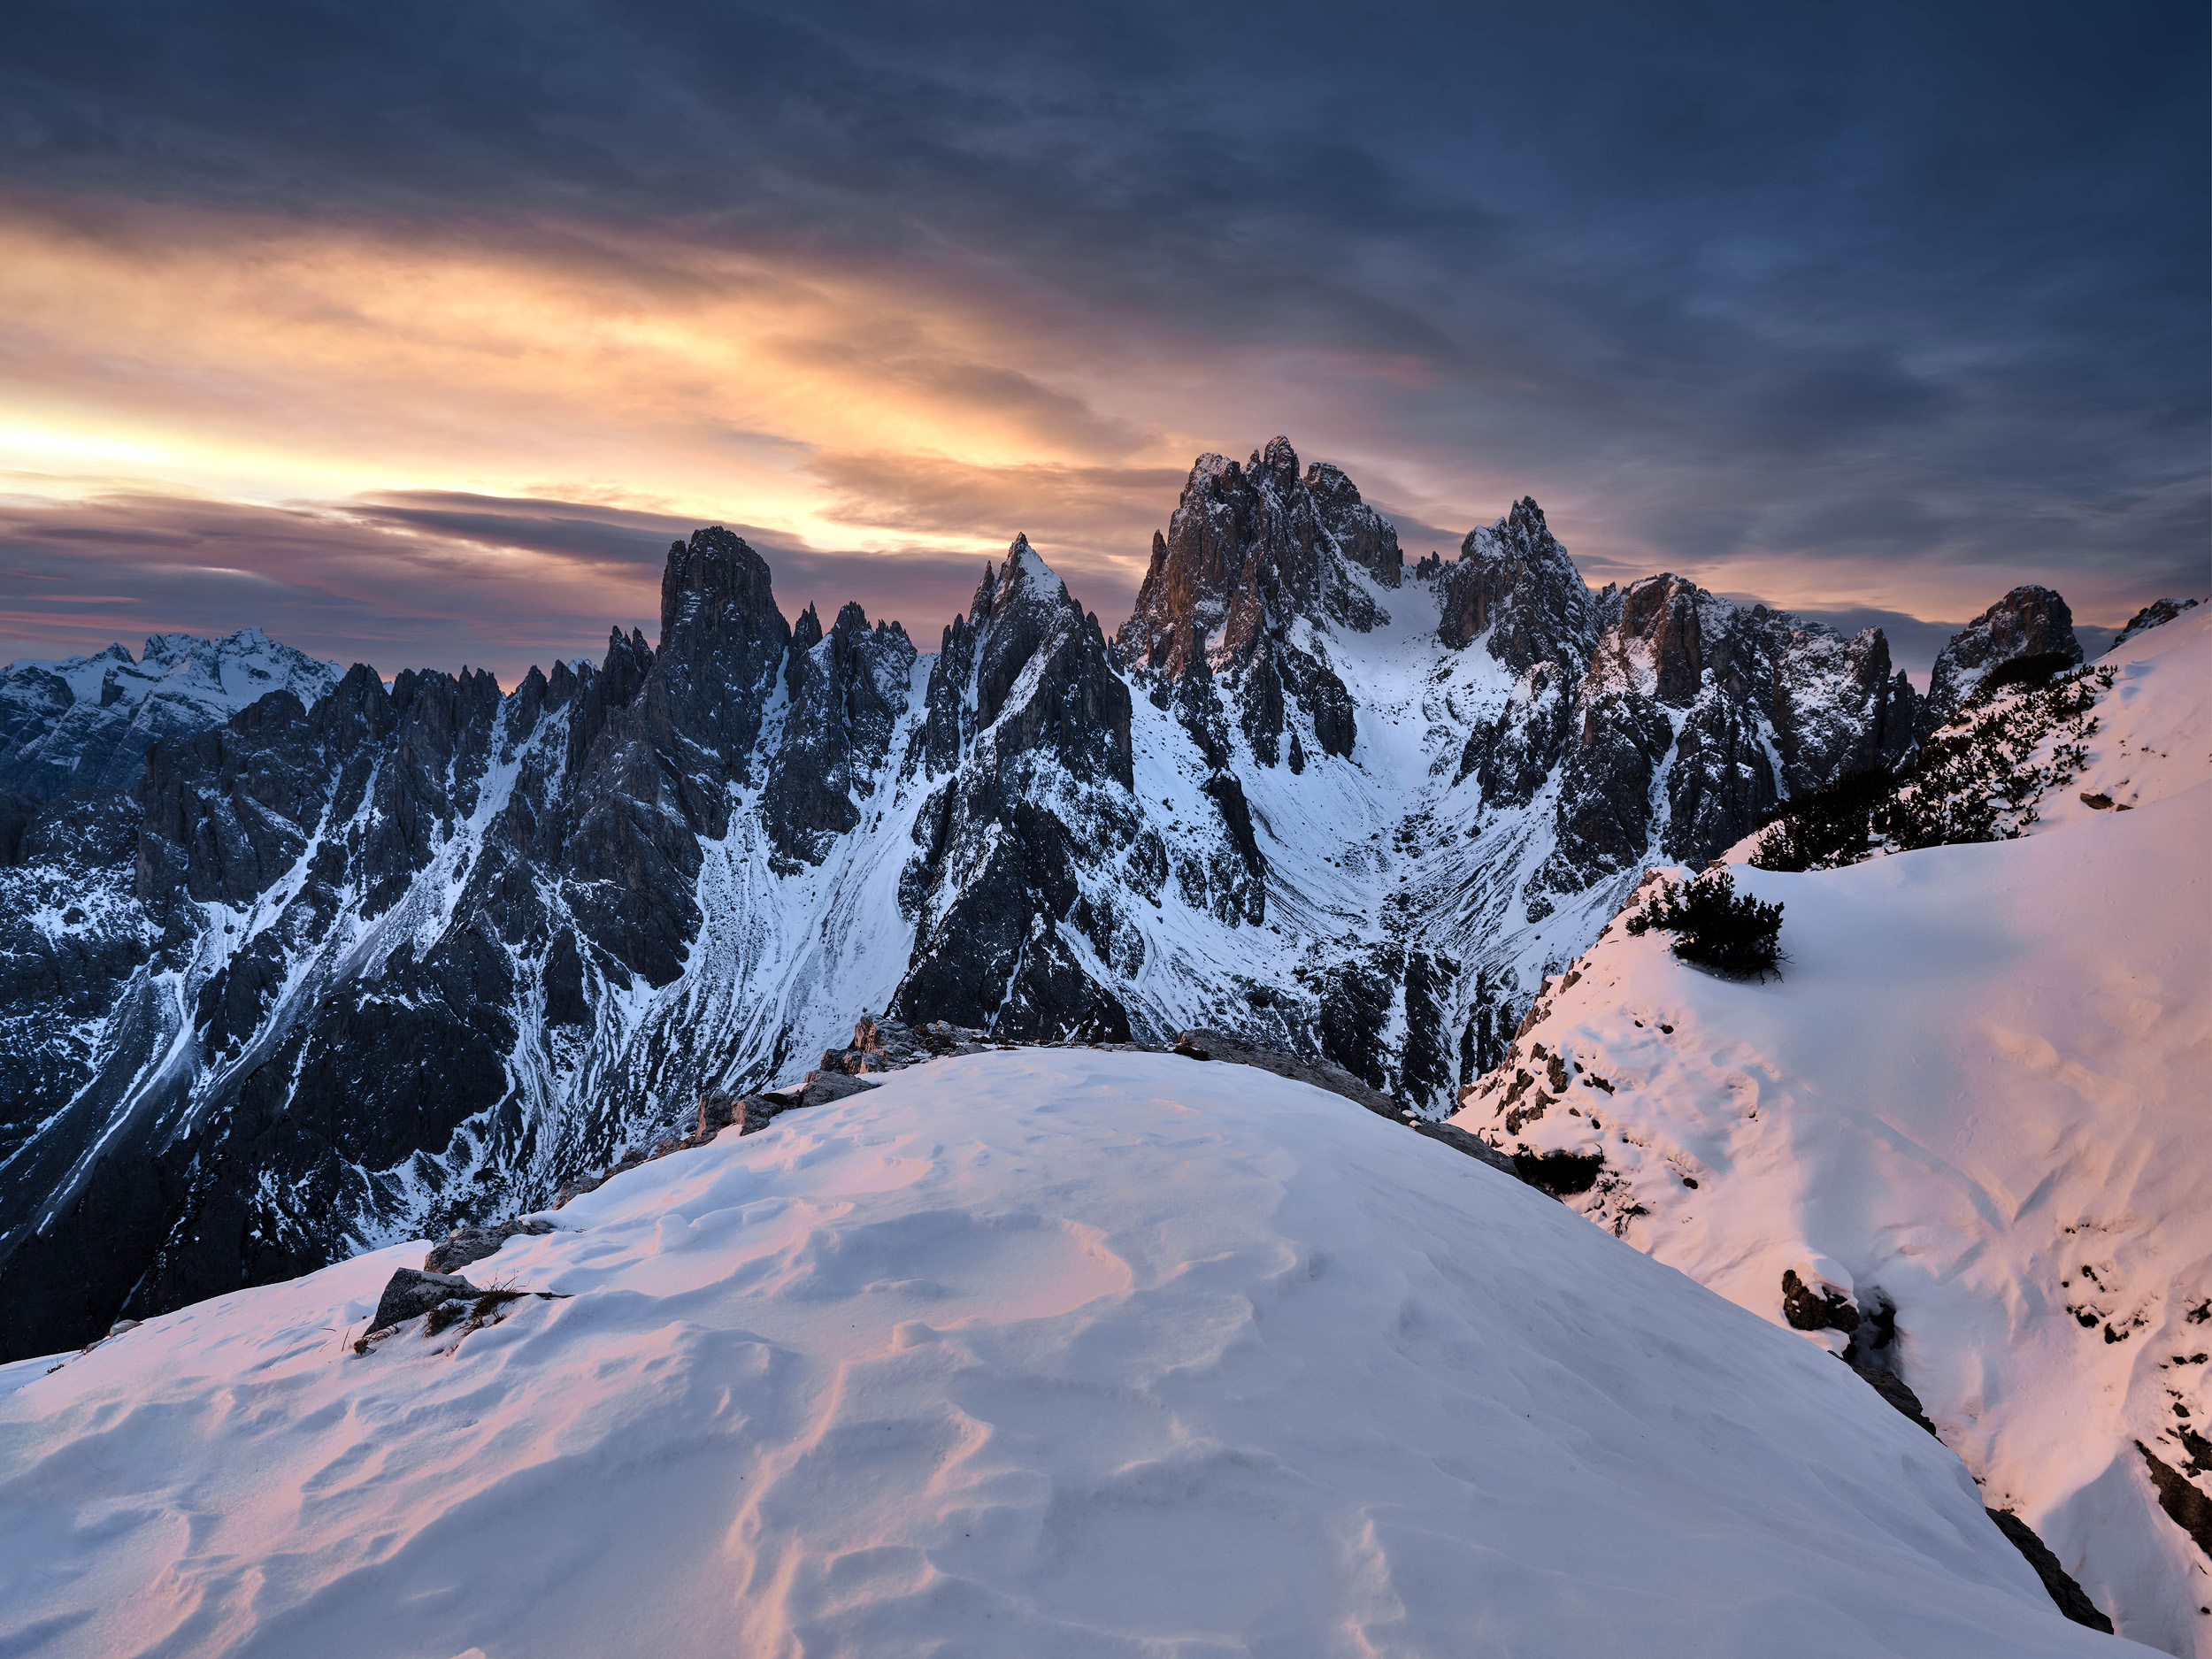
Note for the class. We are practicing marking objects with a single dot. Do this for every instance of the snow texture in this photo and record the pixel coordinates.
(1976, 1093)
(1041, 1351)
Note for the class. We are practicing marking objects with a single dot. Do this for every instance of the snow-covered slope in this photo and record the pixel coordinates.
(2155, 723)
(85, 721)
(1059, 1352)
(1976, 1095)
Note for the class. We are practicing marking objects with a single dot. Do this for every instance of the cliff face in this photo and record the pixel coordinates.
(348, 963)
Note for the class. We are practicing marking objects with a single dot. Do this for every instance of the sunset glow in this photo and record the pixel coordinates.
(377, 399)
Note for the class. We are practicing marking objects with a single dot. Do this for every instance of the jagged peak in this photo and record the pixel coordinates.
(2030, 621)
(806, 633)
(1026, 564)
(1279, 459)
(2156, 614)
(1515, 582)
(716, 583)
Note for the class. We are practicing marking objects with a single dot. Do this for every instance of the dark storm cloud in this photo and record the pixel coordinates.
(1892, 288)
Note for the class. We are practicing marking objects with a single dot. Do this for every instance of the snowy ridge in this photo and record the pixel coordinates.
(1973, 1098)
(1034, 1352)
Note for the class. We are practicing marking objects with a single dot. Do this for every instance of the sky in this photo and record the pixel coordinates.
(415, 333)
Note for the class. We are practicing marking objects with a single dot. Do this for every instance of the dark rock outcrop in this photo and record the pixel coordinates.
(2029, 621)
(1515, 584)
(2156, 614)
(1702, 698)
(2064, 1589)
(1042, 731)
(1815, 1306)
(408, 1295)
(466, 1244)
(1248, 552)
(847, 688)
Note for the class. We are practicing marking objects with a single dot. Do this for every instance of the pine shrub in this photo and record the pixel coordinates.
(1715, 926)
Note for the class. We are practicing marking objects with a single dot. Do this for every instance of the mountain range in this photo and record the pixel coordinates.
(287, 976)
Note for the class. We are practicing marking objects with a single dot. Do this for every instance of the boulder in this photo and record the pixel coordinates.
(408, 1295)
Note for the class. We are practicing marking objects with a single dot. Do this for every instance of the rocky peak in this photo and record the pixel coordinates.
(1691, 700)
(1657, 640)
(2029, 621)
(88, 721)
(722, 640)
(847, 689)
(1514, 582)
(1249, 551)
(1028, 656)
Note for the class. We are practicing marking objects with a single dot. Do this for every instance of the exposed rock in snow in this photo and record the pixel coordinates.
(410, 1293)
(2153, 615)
(86, 722)
(1050, 1351)
(1970, 1115)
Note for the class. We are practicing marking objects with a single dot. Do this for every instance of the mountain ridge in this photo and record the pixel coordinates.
(405, 957)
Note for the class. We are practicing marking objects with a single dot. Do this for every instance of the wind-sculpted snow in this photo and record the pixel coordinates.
(1036, 1352)
(1973, 1103)
(343, 967)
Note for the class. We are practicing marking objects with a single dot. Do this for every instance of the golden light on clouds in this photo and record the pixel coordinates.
(273, 362)
(917, 408)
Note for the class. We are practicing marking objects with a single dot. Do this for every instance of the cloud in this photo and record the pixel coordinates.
(1881, 309)
(411, 579)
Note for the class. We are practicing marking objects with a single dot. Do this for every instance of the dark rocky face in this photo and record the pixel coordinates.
(1030, 721)
(1514, 582)
(1248, 552)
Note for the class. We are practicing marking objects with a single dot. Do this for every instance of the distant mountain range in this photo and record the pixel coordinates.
(294, 963)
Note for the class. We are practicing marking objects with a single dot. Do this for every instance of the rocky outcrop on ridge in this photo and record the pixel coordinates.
(2156, 614)
(1249, 553)
(1698, 716)
(1029, 718)
(2028, 622)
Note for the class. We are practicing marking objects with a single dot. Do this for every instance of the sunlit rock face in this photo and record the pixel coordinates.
(348, 963)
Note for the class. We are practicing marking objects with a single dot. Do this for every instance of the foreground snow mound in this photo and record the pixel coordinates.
(1977, 1096)
(1043, 1351)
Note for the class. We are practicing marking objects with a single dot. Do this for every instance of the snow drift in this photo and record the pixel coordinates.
(1977, 1097)
(1043, 1351)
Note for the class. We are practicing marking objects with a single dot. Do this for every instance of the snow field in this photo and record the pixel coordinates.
(1039, 1351)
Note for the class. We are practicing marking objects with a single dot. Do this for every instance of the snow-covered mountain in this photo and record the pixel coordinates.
(1058, 1352)
(348, 967)
(86, 722)
(1969, 1119)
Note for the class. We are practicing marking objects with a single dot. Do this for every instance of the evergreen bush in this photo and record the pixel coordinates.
(1716, 927)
